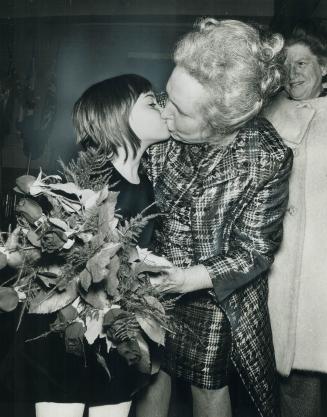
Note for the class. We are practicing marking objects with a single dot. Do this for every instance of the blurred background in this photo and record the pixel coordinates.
(52, 50)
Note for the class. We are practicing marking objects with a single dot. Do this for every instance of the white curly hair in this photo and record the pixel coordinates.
(239, 65)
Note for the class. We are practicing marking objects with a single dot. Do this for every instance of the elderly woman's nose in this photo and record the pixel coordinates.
(166, 111)
(292, 70)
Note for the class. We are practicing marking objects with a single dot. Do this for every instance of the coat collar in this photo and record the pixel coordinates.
(290, 118)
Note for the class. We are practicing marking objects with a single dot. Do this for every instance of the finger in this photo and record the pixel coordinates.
(160, 287)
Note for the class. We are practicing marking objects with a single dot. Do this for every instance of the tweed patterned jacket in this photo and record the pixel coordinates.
(236, 224)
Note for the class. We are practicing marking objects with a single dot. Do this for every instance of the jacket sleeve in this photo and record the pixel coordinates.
(155, 159)
(255, 236)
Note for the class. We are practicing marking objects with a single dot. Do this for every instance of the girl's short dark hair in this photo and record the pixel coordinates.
(101, 114)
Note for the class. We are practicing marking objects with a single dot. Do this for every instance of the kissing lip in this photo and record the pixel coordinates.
(295, 83)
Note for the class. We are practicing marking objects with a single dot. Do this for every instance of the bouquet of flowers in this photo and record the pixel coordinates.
(74, 255)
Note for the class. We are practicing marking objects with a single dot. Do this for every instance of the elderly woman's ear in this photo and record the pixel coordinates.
(324, 69)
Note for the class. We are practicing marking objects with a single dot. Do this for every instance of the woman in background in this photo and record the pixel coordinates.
(297, 285)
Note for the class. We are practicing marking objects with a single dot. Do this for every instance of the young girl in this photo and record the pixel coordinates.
(121, 117)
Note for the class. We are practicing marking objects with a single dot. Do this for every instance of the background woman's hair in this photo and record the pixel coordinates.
(239, 65)
(312, 35)
(101, 114)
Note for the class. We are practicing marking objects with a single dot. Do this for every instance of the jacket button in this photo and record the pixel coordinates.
(291, 210)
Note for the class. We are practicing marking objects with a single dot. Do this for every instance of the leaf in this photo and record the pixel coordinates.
(32, 255)
(69, 206)
(85, 237)
(68, 188)
(53, 177)
(48, 282)
(97, 266)
(17, 190)
(24, 183)
(35, 190)
(37, 186)
(101, 361)
(103, 195)
(89, 198)
(151, 259)
(85, 279)
(68, 244)
(112, 315)
(8, 299)
(155, 364)
(12, 241)
(49, 279)
(96, 297)
(152, 329)
(51, 270)
(94, 327)
(44, 304)
(3, 260)
(111, 281)
(144, 364)
(154, 302)
(59, 223)
(67, 314)
(15, 259)
(107, 221)
(34, 238)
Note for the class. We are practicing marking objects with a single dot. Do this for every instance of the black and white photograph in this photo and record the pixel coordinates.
(163, 185)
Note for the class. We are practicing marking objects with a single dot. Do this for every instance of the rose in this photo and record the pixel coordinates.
(24, 183)
(74, 338)
(67, 314)
(15, 259)
(29, 209)
(8, 299)
(122, 329)
(116, 323)
(3, 260)
(53, 240)
(130, 350)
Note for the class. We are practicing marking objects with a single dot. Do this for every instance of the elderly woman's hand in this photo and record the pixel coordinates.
(171, 280)
(180, 280)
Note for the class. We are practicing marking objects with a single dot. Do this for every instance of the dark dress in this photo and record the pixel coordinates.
(46, 372)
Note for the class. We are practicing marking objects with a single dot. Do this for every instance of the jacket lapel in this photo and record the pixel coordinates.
(224, 169)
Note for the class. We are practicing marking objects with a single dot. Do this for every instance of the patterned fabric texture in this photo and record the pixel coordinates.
(224, 208)
(199, 352)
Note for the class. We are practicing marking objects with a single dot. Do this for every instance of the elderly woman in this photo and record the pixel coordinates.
(223, 187)
(298, 288)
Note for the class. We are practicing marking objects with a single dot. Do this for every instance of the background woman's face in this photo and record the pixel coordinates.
(304, 73)
(145, 119)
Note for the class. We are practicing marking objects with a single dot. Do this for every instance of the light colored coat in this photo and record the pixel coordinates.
(298, 279)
